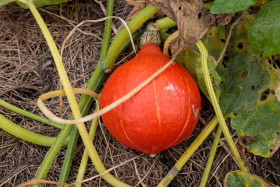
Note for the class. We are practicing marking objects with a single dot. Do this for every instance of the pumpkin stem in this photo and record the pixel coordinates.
(153, 155)
(151, 35)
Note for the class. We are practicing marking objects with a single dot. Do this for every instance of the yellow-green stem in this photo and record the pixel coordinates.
(188, 153)
(165, 23)
(29, 114)
(214, 101)
(133, 25)
(84, 160)
(211, 158)
(25, 134)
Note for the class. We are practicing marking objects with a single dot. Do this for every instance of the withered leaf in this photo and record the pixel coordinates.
(193, 21)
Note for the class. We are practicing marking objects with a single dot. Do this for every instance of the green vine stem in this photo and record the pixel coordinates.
(133, 25)
(67, 162)
(29, 114)
(75, 133)
(84, 160)
(188, 153)
(211, 158)
(163, 36)
(53, 151)
(25, 134)
(214, 101)
(165, 23)
(42, 172)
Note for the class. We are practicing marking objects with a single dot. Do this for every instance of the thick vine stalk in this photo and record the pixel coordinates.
(84, 160)
(29, 114)
(25, 134)
(74, 133)
(70, 96)
(216, 106)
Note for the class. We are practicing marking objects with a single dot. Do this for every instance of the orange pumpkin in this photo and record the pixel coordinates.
(162, 114)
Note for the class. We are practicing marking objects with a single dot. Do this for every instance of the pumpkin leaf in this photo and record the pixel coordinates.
(241, 178)
(247, 92)
(214, 41)
(263, 34)
(191, 60)
(3, 2)
(251, 121)
(277, 88)
(230, 6)
(40, 3)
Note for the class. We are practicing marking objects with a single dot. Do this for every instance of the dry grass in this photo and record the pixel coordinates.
(27, 70)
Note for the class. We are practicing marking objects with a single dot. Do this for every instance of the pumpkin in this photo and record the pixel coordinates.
(159, 116)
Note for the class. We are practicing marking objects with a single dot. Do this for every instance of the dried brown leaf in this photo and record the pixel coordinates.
(193, 20)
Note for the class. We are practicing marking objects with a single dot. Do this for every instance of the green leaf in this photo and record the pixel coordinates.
(247, 92)
(251, 121)
(40, 3)
(231, 6)
(3, 2)
(241, 178)
(214, 40)
(263, 34)
(191, 60)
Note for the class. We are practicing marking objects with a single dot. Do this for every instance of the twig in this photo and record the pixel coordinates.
(228, 151)
(153, 164)
(213, 174)
(36, 181)
(115, 30)
(95, 21)
(119, 62)
(15, 173)
(72, 23)
(107, 171)
(107, 143)
(228, 37)
(137, 174)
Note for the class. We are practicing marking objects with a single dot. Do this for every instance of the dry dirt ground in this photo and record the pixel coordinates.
(24, 75)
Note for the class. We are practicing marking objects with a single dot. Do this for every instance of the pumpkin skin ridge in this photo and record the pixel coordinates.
(137, 147)
(190, 113)
(153, 89)
(126, 75)
(128, 137)
(183, 128)
(157, 108)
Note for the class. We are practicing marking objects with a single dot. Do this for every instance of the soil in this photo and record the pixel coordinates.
(27, 70)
